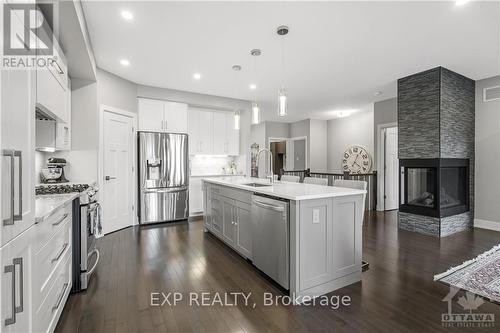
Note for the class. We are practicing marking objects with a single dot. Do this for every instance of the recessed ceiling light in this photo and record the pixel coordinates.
(461, 2)
(377, 93)
(127, 15)
(197, 76)
(124, 62)
(253, 86)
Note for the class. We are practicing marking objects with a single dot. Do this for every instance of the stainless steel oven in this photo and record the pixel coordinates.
(86, 256)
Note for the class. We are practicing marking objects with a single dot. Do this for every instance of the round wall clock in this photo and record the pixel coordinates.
(356, 159)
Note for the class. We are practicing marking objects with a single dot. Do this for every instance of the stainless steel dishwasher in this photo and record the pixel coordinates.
(270, 224)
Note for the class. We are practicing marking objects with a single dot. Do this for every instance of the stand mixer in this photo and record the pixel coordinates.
(54, 173)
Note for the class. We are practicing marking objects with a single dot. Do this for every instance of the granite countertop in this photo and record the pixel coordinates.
(286, 190)
(46, 205)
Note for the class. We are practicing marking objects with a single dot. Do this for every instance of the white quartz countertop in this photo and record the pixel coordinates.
(286, 190)
(46, 205)
(216, 175)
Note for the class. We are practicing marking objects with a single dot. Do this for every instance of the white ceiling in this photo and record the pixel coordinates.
(337, 53)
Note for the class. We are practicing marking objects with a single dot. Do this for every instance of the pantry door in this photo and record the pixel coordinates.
(118, 169)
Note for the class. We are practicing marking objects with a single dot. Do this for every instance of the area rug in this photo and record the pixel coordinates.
(480, 275)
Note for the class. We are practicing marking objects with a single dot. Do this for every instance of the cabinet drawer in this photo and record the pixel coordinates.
(46, 229)
(48, 260)
(48, 312)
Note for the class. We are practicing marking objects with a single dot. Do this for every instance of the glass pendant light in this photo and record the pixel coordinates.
(255, 113)
(282, 97)
(255, 106)
(237, 120)
(282, 102)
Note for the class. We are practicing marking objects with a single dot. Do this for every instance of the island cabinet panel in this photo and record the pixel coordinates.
(228, 227)
(244, 230)
(217, 217)
(207, 203)
(315, 243)
(347, 237)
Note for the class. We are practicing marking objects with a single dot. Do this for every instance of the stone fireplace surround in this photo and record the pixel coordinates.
(436, 113)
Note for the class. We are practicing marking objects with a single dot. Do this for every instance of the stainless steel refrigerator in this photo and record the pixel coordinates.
(163, 177)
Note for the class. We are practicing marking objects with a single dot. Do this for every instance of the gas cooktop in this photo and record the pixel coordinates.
(60, 189)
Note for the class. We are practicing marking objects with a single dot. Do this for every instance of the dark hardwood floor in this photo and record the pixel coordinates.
(397, 293)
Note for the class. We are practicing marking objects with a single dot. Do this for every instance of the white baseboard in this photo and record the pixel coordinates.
(484, 224)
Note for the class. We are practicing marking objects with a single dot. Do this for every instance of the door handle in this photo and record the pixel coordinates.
(12, 319)
(19, 261)
(60, 253)
(267, 206)
(59, 300)
(18, 154)
(60, 220)
(109, 178)
(10, 155)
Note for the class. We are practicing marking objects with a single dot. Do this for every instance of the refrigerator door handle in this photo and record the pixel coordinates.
(166, 190)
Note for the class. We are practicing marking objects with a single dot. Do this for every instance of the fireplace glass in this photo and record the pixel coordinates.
(434, 187)
(421, 187)
(453, 187)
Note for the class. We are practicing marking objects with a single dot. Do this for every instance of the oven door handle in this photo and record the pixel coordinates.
(96, 251)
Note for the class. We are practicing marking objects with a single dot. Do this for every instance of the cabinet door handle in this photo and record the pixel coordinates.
(19, 261)
(60, 253)
(12, 319)
(59, 299)
(10, 155)
(18, 154)
(60, 220)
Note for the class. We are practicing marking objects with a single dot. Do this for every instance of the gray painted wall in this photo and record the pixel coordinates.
(318, 150)
(356, 129)
(487, 180)
(384, 112)
(114, 91)
(303, 128)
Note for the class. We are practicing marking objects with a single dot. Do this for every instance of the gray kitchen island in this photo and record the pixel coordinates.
(307, 238)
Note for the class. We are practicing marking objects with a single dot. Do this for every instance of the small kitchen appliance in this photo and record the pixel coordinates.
(54, 173)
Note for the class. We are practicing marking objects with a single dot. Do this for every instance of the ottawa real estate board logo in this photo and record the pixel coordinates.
(27, 35)
(470, 316)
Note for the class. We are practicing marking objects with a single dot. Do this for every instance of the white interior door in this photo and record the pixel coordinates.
(391, 177)
(118, 191)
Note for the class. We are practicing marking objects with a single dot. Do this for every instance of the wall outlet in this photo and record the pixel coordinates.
(315, 215)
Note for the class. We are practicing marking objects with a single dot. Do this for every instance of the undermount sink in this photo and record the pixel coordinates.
(256, 184)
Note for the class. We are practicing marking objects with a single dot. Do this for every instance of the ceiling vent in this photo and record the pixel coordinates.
(491, 94)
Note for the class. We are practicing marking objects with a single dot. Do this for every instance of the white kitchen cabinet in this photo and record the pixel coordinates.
(162, 116)
(63, 129)
(200, 132)
(232, 136)
(15, 264)
(219, 133)
(150, 115)
(212, 133)
(195, 196)
(52, 85)
(175, 117)
(17, 142)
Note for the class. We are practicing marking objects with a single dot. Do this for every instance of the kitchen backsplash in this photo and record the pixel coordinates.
(214, 165)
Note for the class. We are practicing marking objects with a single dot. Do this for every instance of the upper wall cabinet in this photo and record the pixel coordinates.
(52, 85)
(226, 137)
(212, 133)
(162, 116)
(200, 132)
